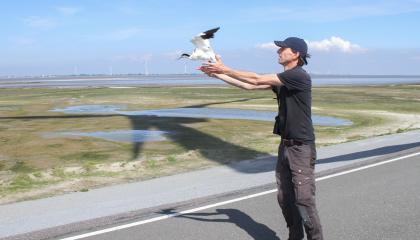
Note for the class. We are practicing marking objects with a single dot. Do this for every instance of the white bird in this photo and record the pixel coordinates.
(202, 50)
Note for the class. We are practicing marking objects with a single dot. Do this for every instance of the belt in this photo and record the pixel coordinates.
(291, 142)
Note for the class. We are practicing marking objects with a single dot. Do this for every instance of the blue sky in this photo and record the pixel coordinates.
(92, 36)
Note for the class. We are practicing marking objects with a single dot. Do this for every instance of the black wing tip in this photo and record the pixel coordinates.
(209, 33)
(213, 30)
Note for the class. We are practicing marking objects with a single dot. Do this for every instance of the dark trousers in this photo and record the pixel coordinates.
(296, 190)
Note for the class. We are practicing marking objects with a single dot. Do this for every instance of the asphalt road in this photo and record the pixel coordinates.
(382, 202)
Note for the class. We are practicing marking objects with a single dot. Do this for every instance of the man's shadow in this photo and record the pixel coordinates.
(254, 229)
(369, 153)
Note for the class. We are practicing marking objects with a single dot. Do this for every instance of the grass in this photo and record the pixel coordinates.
(171, 159)
(21, 167)
(32, 160)
(2, 166)
(21, 182)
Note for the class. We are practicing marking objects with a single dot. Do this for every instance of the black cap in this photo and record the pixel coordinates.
(297, 44)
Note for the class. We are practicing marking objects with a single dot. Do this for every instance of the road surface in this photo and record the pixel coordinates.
(381, 202)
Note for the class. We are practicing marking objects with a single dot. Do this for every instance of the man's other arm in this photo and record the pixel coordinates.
(254, 78)
(247, 77)
(240, 84)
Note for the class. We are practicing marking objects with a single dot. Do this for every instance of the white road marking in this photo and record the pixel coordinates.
(229, 201)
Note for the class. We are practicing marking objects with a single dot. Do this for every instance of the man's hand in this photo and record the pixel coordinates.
(206, 71)
(217, 67)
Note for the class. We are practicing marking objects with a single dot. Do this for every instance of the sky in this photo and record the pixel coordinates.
(53, 37)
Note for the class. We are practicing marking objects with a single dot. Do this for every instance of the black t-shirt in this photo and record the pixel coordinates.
(294, 97)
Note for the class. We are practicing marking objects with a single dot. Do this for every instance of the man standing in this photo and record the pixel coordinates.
(297, 152)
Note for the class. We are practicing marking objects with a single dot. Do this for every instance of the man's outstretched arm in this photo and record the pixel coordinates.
(247, 77)
(238, 83)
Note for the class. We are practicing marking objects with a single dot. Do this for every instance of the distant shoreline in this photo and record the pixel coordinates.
(190, 80)
(176, 76)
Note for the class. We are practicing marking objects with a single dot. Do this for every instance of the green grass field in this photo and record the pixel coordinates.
(33, 166)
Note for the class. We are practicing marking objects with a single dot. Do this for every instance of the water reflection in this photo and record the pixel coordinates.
(130, 136)
(90, 109)
(217, 113)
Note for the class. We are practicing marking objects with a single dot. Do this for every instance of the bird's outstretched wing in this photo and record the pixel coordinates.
(203, 50)
(209, 33)
(201, 41)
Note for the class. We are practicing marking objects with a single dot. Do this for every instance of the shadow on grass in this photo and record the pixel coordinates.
(254, 229)
(212, 148)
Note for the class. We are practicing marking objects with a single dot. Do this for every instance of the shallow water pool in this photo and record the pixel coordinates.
(217, 113)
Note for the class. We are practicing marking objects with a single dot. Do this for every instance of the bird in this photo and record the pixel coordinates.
(202, 50)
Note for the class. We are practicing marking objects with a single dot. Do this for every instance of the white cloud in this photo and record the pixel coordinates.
(326, 45)
(267, 46)
(68, 10)
(39, 22)
(334, 44)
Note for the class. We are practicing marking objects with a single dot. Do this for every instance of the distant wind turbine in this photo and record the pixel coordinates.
(146, 67)
(203, 50)
(146, 59)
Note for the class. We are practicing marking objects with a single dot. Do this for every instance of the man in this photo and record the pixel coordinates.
(297, 153)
